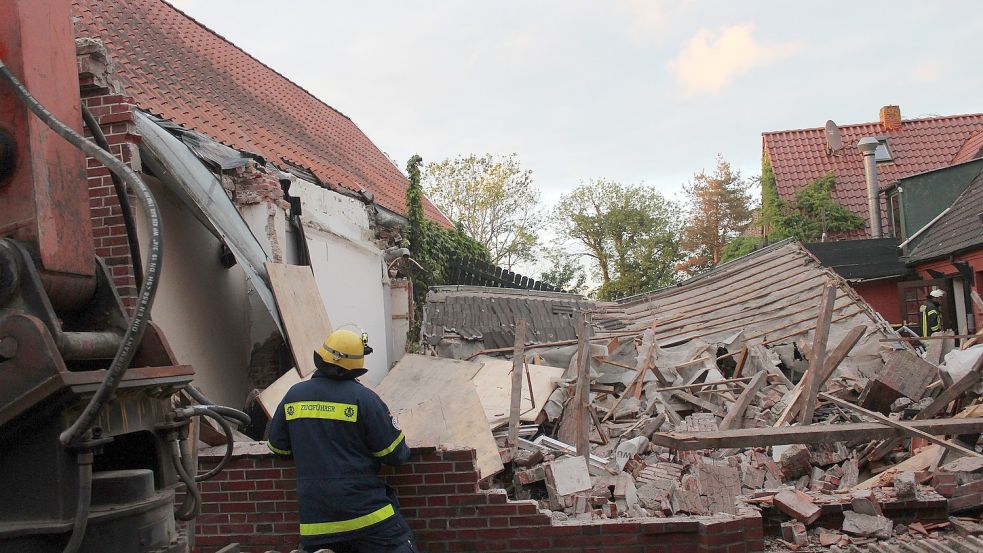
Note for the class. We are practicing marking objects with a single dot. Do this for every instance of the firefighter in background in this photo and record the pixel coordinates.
(338, 432)
(931, 320)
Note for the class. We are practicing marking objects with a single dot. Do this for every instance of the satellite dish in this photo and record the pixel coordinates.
(834, 141)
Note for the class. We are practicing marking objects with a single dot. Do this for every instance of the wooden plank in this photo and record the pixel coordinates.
(812, 434)
(904, 427)
(437, 405)
(741, 359)
(736, 412)
(302, 311)
(582, 398)
(518, 363)
(494, 387)
(704, 384)
(818, 357)
(270, 398)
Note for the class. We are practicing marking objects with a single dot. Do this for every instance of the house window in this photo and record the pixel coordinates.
(882, 153)
(895, 215)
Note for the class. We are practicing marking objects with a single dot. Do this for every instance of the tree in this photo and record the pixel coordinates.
(813, 214)
(720, 210)
(565, 270)
(494, 201)
(630, 233)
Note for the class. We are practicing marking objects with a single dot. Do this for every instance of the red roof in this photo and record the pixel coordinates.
(800, 156)
(972, 149)
(178, 69)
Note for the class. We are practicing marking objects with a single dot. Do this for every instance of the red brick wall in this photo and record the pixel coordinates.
(115, 116)
(882, 295)
(253, 503)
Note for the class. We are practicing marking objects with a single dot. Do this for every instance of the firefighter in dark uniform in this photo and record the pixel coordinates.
(931, 320)
(338, 432)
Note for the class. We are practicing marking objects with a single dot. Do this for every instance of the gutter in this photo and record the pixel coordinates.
(924, 228)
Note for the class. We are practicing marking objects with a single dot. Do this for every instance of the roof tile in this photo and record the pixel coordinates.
(178, 69)
(800, 156)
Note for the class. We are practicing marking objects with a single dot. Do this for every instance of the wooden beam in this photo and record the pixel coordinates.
(904, 427)
(518, 364)
(923, 338)
(551, 344)
(583, 385)
(736, 412)
(704, 384)
(740, 362)
(812, 434)
(818, 358)
(833, 361)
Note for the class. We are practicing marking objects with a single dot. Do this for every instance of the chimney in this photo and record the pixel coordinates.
(867, 147)
(891, 118)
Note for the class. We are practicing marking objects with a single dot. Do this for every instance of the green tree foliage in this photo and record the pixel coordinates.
(629, 233)
(720, 210)
(432, 246)
(740, 246)
(771, 202)
(565, 270)
(493, 199)
(813, 213)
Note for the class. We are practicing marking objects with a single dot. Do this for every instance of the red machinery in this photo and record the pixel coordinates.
(92, 436)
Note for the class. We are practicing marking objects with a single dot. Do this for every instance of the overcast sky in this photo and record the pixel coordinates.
(630, 90)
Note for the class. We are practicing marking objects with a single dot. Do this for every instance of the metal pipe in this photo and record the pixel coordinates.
(82, 346)
(867, 147)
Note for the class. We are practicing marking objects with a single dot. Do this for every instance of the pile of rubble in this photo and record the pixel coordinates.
(707, 400)
(727, 441)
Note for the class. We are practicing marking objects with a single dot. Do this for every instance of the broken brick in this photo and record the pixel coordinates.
(797, 505)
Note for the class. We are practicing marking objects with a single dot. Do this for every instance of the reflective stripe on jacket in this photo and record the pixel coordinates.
(338, 432)
(931, 320)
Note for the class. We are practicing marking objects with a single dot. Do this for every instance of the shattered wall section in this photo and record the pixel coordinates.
(102, 95)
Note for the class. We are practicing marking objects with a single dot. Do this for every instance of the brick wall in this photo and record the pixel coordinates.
(253, 503)
(114, 112)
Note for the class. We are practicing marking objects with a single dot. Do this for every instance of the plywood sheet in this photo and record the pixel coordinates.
(437, 404)
(494, 386)
(302, 311)
(271, 397)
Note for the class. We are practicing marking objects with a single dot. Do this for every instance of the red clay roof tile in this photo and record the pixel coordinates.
(178, 69)
(800, 156)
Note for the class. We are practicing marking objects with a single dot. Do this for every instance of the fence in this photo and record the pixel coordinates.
(476, 272)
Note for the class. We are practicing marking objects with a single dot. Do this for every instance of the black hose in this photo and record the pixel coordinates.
(83, 504)
(229, 413)
(145, 299)
(121, 196)
(191, 493)
(229, 443)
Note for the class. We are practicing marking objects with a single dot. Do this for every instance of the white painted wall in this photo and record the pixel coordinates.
(200, 305)
(349, 269)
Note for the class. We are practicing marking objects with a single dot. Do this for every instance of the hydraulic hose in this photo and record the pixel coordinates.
(121, 197)
(206, 411)
(228, 412)
(83, 504)
(192, 495)
(145, 299)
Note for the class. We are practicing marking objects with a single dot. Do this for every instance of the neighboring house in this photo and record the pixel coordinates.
(948, 251)
(907, 148)
(247, 168)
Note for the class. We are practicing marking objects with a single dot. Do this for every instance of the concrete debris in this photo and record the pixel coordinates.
(867, 525)
(795, 533)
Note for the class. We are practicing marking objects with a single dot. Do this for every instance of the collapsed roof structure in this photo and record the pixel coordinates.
(766, 384)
